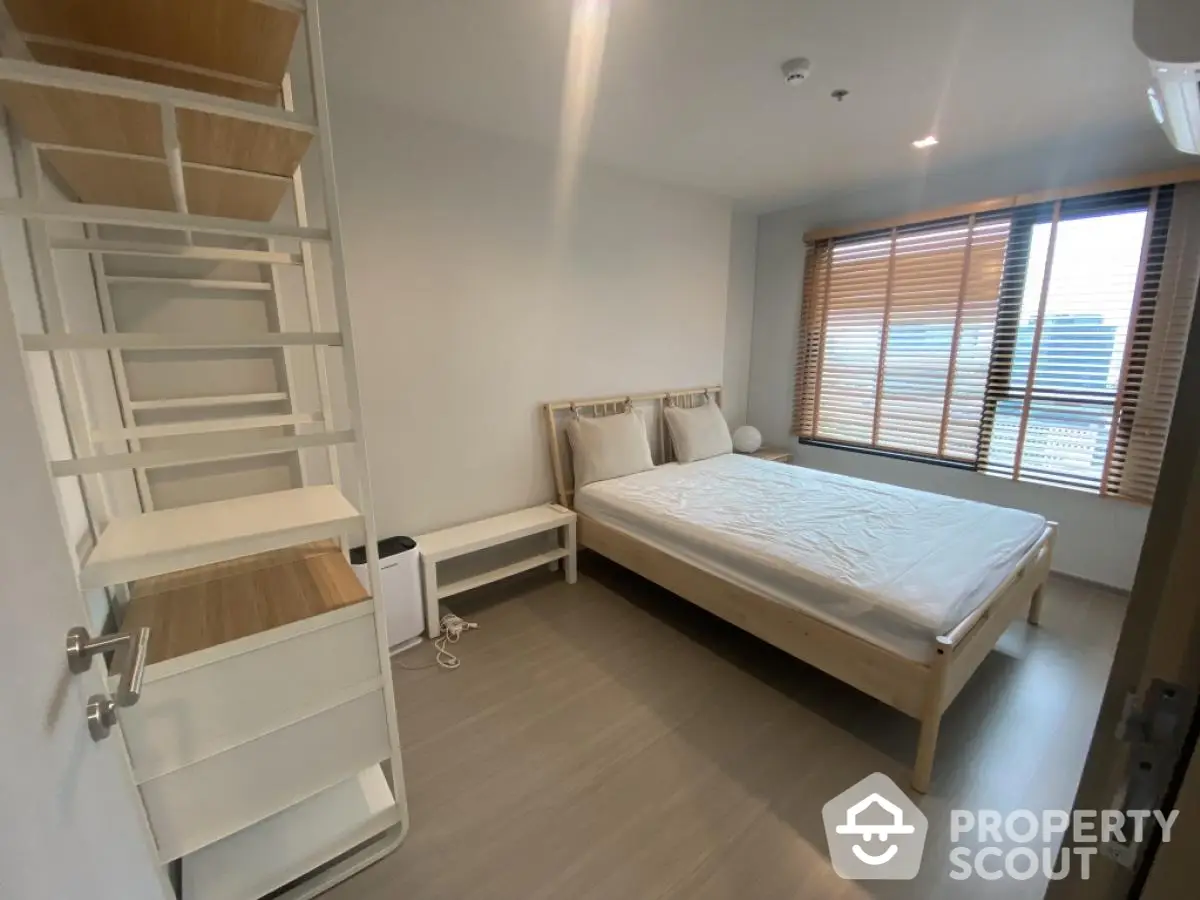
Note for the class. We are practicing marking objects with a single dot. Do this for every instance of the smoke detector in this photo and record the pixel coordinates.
(796, 70)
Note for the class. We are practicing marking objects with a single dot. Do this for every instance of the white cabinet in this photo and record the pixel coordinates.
(216, 699)
(265, 689)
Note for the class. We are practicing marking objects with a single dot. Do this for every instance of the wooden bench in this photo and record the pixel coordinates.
(452, 543)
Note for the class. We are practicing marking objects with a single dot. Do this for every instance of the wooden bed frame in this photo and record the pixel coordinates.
(923, 690)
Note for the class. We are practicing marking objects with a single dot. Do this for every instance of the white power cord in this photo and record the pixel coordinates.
(452, 628)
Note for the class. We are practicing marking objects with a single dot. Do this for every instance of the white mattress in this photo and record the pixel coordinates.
(892, 565)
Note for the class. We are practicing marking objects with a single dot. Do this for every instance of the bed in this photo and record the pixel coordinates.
(899, 593)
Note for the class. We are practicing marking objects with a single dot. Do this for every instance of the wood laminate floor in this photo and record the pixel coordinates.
(609, 740)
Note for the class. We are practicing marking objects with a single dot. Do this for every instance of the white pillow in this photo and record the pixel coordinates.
(608, 447)
(698, 433)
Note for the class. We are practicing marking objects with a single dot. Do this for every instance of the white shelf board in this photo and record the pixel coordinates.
(206, 426)
(202, 402)
(183, 456)
(168, 540)
(463, 539)
(205, 283)
(259, 859)
(131, 340)
(467, 584)
(60, 211)
(174, 251)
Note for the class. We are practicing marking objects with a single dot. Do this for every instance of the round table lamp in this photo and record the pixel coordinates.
(747, 439)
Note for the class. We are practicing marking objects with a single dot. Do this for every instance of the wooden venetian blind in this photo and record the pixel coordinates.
(896, 336)
(1158, 340)
(1089, 343)
(1042, 343)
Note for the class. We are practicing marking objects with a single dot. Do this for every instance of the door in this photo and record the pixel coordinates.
(1160, 641)
(71, 823)
(1172, 868)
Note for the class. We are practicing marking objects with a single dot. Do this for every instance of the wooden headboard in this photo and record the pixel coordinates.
(560, 412)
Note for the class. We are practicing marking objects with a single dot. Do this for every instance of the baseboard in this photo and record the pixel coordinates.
(405, 645)
(1087, 582)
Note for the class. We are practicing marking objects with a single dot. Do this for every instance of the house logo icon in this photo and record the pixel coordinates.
(875, 831)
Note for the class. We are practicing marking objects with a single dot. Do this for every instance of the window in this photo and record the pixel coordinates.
(899, 334)
(1041, 343)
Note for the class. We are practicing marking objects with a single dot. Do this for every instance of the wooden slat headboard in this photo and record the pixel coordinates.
(559, 413)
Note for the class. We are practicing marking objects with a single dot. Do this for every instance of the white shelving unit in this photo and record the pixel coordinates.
(265, 747)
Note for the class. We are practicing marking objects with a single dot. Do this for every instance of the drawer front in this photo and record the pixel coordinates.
(197, 805)
(244, 689)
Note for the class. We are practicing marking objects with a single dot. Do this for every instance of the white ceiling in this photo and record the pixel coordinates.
(690, 90)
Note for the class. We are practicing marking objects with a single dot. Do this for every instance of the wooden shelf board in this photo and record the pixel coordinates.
(25, 71)
(73, 118)
(290, 844)
(232, 195)
(122, 65)
(204, 607)
(475, 581)
(771, 454)
(234, 37)
(238, 144)
(82, 124)
(155, 543)
(144, 182)
(113, 180)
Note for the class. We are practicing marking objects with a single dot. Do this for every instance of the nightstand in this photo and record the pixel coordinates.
(774, 454)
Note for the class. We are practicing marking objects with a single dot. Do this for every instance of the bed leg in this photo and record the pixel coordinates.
(1035, 606)
(922, 774)
(1047, 559)
(572, 553)
(931, 723)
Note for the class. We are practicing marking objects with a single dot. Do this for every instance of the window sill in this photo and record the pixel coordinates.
(887, 454)
(966, 467)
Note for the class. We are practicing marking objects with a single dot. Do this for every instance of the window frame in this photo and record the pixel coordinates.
(1000, 370)
(1012, 292)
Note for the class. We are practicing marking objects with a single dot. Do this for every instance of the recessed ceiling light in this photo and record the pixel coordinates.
(925, 142)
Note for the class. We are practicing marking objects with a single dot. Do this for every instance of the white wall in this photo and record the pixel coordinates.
(1099, 539)
(739, 316)
(159, 375)
(471, 307)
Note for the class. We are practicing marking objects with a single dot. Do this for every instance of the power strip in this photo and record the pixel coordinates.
(453, 628)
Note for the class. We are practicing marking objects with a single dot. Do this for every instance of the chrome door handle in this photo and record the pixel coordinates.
(81, 647)
(101, 710)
